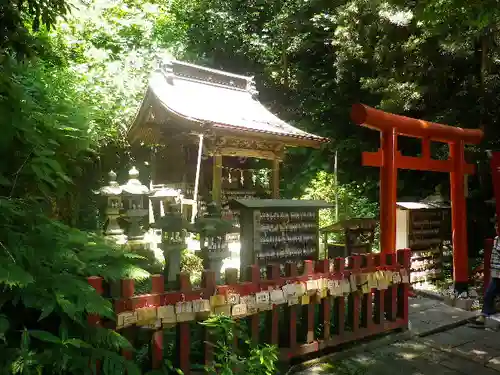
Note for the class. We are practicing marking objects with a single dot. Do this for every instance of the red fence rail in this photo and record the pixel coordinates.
(326, 317)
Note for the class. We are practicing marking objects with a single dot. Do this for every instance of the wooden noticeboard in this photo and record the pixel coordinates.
(423, 228)
(278, 231)
(358, 236)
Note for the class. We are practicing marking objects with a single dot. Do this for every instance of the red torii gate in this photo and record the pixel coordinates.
(389, 159)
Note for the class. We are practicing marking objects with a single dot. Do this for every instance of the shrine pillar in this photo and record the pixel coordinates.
(275, 185)
(458, 215)
(388, 190)
(217, 178)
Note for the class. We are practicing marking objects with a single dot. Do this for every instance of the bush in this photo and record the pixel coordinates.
(249, 359)
(46, 299)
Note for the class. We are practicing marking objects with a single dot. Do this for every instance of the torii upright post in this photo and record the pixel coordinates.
(389, 160)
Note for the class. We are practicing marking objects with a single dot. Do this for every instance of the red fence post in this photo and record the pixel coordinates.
(231, 279)
(208, 285)
(404, 260)
(488, 248)
(157, 287)
(391, 293)
(183, 329)
(127, 291)
(291, 313)
(323, 266)
(354, 300)
(339, 306)
(272, 317)
(93, 319)
(253, 276)
(379, 295)
(309, 308)
(367, 262)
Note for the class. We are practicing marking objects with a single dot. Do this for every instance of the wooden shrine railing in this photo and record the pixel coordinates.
(333, 302)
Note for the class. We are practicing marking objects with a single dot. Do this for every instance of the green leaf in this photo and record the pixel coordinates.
(45, 336)
(4, 326)
(46, 311)
(77, 343)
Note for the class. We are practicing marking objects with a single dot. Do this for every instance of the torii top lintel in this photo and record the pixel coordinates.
(382, 121)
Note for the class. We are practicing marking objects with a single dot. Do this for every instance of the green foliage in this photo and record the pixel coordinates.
(166, 369)
(254, 360)
(15, 37)
(46, 298)
(193, 265)
(314, 59)
(353, 202)
(42, 133)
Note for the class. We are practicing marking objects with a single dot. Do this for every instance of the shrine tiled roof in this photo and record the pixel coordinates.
(223, 100)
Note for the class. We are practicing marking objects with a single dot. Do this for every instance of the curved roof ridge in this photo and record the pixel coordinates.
(225, 100)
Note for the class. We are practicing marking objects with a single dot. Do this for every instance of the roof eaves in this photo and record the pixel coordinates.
(310, 137)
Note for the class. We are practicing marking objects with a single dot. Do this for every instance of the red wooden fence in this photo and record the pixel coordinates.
(341, 319)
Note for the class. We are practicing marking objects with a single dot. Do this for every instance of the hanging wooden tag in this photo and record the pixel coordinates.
(312, 286)
(322, 283)
(372, 281)
(262, 298)
(217, 300)
(388, 277)
(239, 310)
(336, 288)
(305, 299)
(346, 286)
(323, 293)
(223, 310)
(365, 289)
(146, 314)
(361, 278)
(405, 278)
(290, 290)
(277, 297)
(379, 278)
(233, 299)
(251, 304)
(353, 285)
(396, 278)
(301, 288)
(183, 307)
(126, 319)
(382, 284)
(201, 305)
(264, 307)
(185, 317)
(167, 314)
(292, 301)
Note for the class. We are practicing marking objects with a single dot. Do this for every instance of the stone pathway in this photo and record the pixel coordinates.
(460, 351)
(429, 315)
(439, 343)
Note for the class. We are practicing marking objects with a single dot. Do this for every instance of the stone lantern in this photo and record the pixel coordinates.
(134, 194)
(114, 205)
(174, 229)
(214, 248)
(161, 198)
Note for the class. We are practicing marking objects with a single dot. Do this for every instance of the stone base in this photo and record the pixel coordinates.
(459, 303)
(464, 303)
(449, 301)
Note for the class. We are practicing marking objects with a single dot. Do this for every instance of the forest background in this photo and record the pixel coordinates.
(73, 74)
(312, 60)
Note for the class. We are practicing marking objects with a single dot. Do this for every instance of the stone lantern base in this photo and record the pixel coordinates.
(213, 261)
